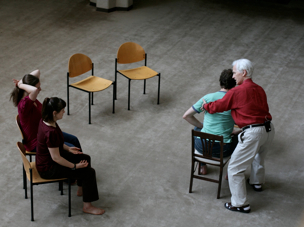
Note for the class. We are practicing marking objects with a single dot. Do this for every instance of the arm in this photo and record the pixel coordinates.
(36, 73)
(74, 150)
(220, 105)
(31, 90)
(62, 161)
(189, 116)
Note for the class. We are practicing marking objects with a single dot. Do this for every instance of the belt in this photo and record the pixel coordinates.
(252, 126)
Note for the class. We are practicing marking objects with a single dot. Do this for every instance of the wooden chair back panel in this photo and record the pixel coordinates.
(208, 141)
(26, 163)
(79, 64)
(207, 146)
(19, 126)
(130, 53)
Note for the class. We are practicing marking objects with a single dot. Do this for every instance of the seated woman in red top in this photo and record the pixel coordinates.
(24, 96)
(54, 159)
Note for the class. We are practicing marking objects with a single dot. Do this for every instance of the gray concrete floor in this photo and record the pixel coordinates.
(142, 156)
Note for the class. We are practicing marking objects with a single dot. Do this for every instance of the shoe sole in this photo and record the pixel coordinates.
(237, 209)
(254, 188)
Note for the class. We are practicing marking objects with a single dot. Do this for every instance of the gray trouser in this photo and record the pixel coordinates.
(251, 149)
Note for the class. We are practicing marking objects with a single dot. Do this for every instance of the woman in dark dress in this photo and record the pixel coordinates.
(54, 159)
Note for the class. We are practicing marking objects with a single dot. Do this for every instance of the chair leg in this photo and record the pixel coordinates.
(69, 181)
(25, 184)
(144, 86)
(68, 98)
(220, 183)
(191, 177)
(158, 88)
(92, 98)
(24, 177)
(32, 199)
(113, 97)
(89, 107)
(129, 94)
(115, 82)
(61, 187)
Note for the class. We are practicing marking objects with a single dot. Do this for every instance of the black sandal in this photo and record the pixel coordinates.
(256, 187)
(243, 209)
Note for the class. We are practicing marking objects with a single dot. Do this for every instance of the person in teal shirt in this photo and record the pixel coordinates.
(217, 124)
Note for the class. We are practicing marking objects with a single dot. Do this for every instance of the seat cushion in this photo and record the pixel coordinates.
(208, 161)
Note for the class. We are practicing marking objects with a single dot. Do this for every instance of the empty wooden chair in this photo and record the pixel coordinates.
(130, 53)
(78, 65)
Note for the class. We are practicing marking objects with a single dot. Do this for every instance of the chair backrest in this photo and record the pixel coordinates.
(79, 64)
(19, 127)
(129, 53)
(208, 141)
(26, 163)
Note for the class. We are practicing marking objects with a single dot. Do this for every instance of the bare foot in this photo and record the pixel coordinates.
(79, 191)
(203, 169)
(92, 210)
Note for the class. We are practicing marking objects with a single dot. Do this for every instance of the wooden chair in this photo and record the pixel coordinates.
(35, 179)
(29, 153)
(78, 65)
(130, 53)
(208, 141)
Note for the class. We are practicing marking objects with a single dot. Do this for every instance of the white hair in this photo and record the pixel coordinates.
(244, 64)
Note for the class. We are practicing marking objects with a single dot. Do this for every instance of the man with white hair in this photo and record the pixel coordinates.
(249, 109)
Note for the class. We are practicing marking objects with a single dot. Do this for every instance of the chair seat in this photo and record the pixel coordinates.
(140, 73)
(208, 161)
(93, 84)
(36, 177)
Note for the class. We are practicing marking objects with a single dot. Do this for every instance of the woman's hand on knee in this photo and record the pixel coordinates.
(82, 164)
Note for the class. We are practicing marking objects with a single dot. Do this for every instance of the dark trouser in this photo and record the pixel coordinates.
(71, 140)
(86, 177)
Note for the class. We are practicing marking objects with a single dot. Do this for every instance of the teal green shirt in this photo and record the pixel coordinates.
(219, 123)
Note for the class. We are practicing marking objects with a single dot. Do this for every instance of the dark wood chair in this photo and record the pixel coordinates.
(35, 179)
(208, 141)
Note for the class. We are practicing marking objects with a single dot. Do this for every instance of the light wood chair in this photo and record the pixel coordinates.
(78, 65)
(35, 179)
(29, 153)
(130, 53)
(208, 141)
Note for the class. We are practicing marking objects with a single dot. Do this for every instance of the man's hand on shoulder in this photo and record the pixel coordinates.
(202, 108)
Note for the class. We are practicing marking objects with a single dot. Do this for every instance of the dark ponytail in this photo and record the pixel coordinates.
(17, 93)
(49, 106)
